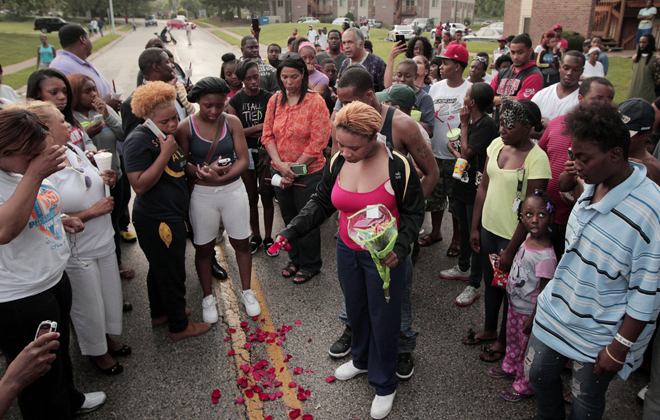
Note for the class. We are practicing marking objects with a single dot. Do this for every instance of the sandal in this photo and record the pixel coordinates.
(512, 396)
(290, 270)
(490, 356)
(123, 351)
(454, 250)
(497, 372)
(471, 339)
(126, 273)
(428, 240)
(303, 277)
(115, 369)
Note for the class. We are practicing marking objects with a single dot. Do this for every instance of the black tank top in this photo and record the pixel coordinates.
(386, 130)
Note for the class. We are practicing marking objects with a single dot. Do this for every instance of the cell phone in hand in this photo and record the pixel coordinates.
(154, 128)
(224, 161)
(571, 157)
(98, 118)
(400, 39)
(299, 169)
(45, 327)
(255, 25)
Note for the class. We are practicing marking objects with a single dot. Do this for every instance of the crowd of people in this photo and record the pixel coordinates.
(551, 191)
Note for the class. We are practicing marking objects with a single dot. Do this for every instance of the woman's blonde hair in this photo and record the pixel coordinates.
(45, 111)
(359, 119)
(152, 96)
(20, 131)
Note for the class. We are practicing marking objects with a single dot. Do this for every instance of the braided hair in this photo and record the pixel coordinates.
(549, 204)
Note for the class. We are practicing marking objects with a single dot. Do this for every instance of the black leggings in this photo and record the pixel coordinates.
(52, 396)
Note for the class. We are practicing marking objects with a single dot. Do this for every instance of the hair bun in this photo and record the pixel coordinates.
(228, 57)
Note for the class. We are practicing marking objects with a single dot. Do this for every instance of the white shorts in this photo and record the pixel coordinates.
(227, 204)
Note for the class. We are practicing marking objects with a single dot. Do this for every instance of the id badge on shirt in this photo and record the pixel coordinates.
(516, 205)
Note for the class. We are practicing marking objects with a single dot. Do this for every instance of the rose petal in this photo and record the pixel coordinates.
(330, 379)
(297, 322)
(254, 318)
(215, 400)
(279, 394)
(257, 388)
(267, 384)
(307, 417)
(300, 388)
(308, 392)
(292, 385)
(294, 414)
(279, 343)
(215, 393)
(272, 396)
(271, 376)
(309, 371)
(271, 370)
(268, 418)
(249, 393)
(297, 371)
(227, 338)
(263, 319)
(231, 352)
(281, 369)
(302, 397)
(245, 368)
(246, 329)
(263, 396)
(309, 341)
(232, 330)
(240, 400)
(278, 384)
(248, 346)
(244, 324)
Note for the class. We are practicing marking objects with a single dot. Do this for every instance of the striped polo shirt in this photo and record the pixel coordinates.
(610, 269)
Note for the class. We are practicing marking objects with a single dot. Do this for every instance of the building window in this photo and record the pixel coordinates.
(435, 3)
(410, 2)
(342, 3)
(362, 3)
(280, 3)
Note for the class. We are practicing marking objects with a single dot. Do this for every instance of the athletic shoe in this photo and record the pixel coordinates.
(93, 400)
(348, 371)
(404, 366)
(209, 309)
(468, 296)
(342, 346)
(249, 299)
(268, 242)
(382, 405)
(255, 243)
(455, 273)
(127, 236)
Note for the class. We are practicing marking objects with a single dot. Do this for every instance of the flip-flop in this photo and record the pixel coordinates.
(428, 240)
(471, 339)
(290, 270)
(454, 250)
(497, 372)
(516, 397)
(489, 352)
(304, 277)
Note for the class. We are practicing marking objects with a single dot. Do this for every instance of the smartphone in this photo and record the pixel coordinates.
(255, 25)
(400, 38)
(154, 128)
(224, 161)
(45, 327)
(299, 169)
(98, 118)
(571, 157)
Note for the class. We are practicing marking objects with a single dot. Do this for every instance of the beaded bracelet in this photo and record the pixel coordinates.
(621, 339)
(612, 357)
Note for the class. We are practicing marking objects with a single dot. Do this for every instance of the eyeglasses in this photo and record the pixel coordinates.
(292, 55)
(85, 178)
(74, 247)
(480, 58)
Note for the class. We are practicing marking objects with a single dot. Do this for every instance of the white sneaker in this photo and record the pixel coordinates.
(455, 273)
(209, 309)
(93, 400)
(249, 299)
(348, 371)
(468, 296)
(382, 405)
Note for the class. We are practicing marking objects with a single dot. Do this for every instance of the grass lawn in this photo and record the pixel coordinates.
(619, 73)
(125, 28)
(211, 22)
(20, 47)
(230, 39)
(19, 27)
(18, 79)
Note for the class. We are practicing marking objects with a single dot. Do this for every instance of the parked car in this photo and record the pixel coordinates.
(459, 26)
(484, 35)
(405, 30)
(375, 23)
(408, 21)
(176, 23)
(150, 20)
(341, 20)
(308, 19)
(496, 25)
(48, 24)
(427, 24)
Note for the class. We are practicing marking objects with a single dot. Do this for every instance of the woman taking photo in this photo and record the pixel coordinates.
(250, 105)
(417, 46)
(207, 138)
(96, 310)
(362, 173)
(36, 289)
(317, 80)
(52, 86)
(515, 167)
(645, 70)
(155, 166)
(296, 130)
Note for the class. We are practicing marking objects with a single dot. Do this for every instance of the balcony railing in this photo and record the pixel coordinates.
(409, 10)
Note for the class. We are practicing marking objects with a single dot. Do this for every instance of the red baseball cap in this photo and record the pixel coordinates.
(502, 38)
(554, 28)
(457, 53)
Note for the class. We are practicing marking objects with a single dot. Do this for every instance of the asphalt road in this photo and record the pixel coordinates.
(167, 380)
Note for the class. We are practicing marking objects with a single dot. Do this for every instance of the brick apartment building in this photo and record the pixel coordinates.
(389, 12)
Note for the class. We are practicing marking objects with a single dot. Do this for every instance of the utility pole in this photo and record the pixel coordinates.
(112, 17)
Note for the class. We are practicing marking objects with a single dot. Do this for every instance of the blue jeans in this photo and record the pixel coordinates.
(543, 367)
(407, 336)
(375, 322)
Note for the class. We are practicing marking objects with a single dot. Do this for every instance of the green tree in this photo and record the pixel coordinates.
(489, 8)
(19, 8)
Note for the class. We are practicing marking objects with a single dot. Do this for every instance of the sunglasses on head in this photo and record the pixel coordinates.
(480, 58)
(292, 55)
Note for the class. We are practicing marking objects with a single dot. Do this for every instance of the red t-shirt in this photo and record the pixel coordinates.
(531, 85)
(555, 144)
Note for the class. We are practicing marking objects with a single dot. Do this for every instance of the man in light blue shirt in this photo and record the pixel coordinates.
(601, 306)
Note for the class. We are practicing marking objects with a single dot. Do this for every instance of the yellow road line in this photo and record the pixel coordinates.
(225, 291)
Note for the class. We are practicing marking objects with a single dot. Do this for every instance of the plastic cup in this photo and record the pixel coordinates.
(116, 95)
(459, 168)
(416, 115)
(104, 162)
(275, 180)
(453, 134)
(188, 72)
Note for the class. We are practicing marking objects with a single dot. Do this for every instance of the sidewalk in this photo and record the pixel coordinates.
(32, 62)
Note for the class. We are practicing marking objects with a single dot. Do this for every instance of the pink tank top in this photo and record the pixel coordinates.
(349, 203)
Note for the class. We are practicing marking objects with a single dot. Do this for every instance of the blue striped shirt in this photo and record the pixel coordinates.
(610, 269)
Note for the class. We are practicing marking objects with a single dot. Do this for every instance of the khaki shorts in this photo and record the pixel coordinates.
(442, 192)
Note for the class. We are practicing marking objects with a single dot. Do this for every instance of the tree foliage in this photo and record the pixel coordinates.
(489, 8)
(23, 7)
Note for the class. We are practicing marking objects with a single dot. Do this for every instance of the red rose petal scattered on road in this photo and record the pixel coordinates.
(297, 322)
(247, 328)
(242, 382)
(271, 376)
(330, 379)
(216, 393)
(215, 400)
(279, 394)
(263, 396)
(266, 384)
(308, 392)
(227, 338)
(231, 352)
(244, 324)
(309, 371)
(300, 388)
(232, 330)
(257, 388)
(248, 346)
(263, 319)
(282, 369)
(292, 384)
(309, 341)
(245, 368)
(240, 400)
(307, 417)
(249, 393)
(302, 397)
(268, 418)
(271, 370)
(254, 318)
(294, 414)
(297, 371)
(279, 343)
(278, 384)
(272, 396)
